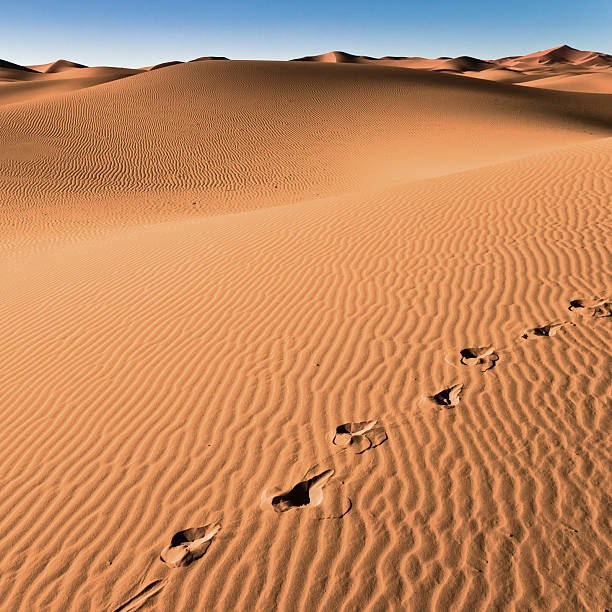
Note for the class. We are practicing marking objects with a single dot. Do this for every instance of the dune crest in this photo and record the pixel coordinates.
(59, 65)
(551, 67)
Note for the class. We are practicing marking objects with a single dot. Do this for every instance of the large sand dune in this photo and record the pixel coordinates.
(214, 137)
(324, 337)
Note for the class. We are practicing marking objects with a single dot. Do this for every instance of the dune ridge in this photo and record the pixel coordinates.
(542, 65)
(550, 66)
(60, 65)
(270, 355)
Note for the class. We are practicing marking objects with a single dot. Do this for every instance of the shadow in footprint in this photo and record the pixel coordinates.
(598, 308)
(360, 437)
(485, 356)
(448, 397)
(188, 545)
(603, 310)
(306, 493)
(547, 330)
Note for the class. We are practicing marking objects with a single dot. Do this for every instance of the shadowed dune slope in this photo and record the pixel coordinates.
(15, 72)
(213, 137)
(57, 66)
(158, 379)
(10, 65)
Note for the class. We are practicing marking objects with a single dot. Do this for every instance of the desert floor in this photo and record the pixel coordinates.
(216, 276)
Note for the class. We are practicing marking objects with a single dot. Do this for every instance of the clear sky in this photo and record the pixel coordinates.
(142, 32)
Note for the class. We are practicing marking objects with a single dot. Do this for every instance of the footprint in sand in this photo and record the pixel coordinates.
(305, 493)
(139, 600)
(547, 330)
(599, 308)
(485, 356)
(188, 545)
(360, 437)
(448, 397)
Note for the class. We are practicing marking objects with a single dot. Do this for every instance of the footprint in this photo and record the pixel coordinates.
(484, 355)
(188, 545)
(597, 308)
(360, 437)
(603, 310)
(142, 597)
(448, 397)
(306, 493)
(547, 330)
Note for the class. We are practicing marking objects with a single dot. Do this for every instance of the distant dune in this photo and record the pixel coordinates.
(175, 62)
(4, 65)
(323, 335)
(558, 56)
(339, 57)
(57, 66)
(547, 65)
(40, 86)
(162, 65)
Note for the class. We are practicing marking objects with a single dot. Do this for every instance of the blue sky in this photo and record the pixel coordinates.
(137, 33)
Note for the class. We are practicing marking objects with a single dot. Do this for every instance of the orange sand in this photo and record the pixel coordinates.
(551, 66)
(323, 336)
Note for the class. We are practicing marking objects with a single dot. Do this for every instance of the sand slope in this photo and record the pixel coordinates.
(15, 72)
(36, 86)
(168, 369)
(247, 134)
(589, 83)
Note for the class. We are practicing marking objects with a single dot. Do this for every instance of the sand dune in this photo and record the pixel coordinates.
(551, 63)
(60, 83)
(314, 130)
(26, 83)
(15, 72)
(39, 87)
(208, 58)
(339, 57)
(162, 65)
(205, 58)
(558, 55)
(463, 63)
(588, 83)
(11, 66)
(57, 66)
(305, 336)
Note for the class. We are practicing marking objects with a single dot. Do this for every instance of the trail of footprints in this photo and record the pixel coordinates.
(191, 544)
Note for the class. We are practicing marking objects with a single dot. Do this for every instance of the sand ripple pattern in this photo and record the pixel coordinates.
(215, 137)
(171, 373)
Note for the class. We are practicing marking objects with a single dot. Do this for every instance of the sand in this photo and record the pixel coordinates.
(306, 336)
(588, 83)
(549, 66)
